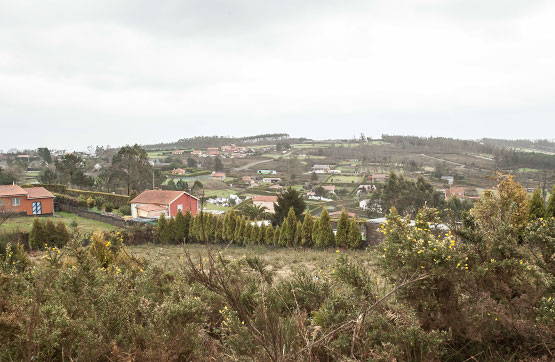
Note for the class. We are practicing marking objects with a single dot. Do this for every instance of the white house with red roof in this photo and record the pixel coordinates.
(153, 203)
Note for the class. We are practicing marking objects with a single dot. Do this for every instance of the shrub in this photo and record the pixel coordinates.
(125, 209)
(108, 207)
(90, 202)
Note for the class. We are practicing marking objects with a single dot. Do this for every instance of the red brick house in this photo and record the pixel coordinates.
(153, 203)
(28, 201)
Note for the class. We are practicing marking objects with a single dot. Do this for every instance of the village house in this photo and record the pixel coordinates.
(321, 168)
(449, 179)
(366, 188)
(454, 191)
(271, 180)
(153, 203)
(179, 171)
(212, 151)
(265, 200)
(178, 152)
(28, 201)
(197, 153)
(330, 189)
(220, 176)
(246, 179)
(379, 177)
(267, 172)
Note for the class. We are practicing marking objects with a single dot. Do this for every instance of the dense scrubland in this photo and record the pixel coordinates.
(481, 291)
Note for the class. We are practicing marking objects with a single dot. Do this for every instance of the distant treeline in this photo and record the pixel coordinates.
(504, 157)
(544, 145)
(215, 141)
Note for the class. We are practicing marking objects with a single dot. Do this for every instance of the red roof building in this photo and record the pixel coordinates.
(217, 176)
(454, 191)
(265, 200)
(28, 201)
(153, 203)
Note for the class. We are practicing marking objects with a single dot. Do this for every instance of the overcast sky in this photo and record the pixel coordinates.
(77, 73)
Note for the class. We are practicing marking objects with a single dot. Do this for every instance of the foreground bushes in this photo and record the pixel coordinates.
(96, 303)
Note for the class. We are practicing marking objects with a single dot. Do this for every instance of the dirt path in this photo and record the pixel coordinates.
(248, 165)
(442, 160)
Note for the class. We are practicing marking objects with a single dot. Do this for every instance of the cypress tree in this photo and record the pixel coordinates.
(50, 231)
(171, 231)
(193, 229)
(37, 236)
(269, 237)
(239, 231)
(282, 241)
(276, 236)
(550, 212)
(299, 234)
(315, 231)
(291, 228)
(325, 232)
(180, 227)
(261, 234)
(219, 237)
(187, 220)
(308, 224)
(537, 205)
(355, 238)
(254, 234)
(247, 233)
(62, 234)
(162, 226)
(342, 229)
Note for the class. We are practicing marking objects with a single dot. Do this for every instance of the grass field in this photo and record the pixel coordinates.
(24, 223)
(281, 260)
(342, 179)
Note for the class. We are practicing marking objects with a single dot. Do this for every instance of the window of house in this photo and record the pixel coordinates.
(16, 201)
(180, 208)
(1, 202)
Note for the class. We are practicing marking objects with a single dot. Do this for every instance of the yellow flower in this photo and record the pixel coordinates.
(337, 251)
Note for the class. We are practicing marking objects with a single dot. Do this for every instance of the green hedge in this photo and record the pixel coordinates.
(114, 199)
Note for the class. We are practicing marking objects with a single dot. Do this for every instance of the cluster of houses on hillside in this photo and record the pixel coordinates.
(229, 151)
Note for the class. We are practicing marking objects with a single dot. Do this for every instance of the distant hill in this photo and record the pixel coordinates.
(215, 141)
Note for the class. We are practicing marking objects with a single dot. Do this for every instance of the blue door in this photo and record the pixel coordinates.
(37, 208)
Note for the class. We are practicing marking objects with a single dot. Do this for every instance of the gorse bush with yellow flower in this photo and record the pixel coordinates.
(488, 283)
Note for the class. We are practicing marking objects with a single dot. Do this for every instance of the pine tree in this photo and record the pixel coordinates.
(230, 226)
(299, 234)
(550, 212)
(308, 224)
(291, 228)
(325, 232)
(37, 235)
(269, 237)
(342, 229)
(354, 237)
(193, 226)
(254, 234)
(537, 205)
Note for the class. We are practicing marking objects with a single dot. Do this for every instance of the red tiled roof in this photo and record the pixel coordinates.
(151, 207)
(265, 198)
(38, 193)
(217, 174)
(11, 190)
(160, 197)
